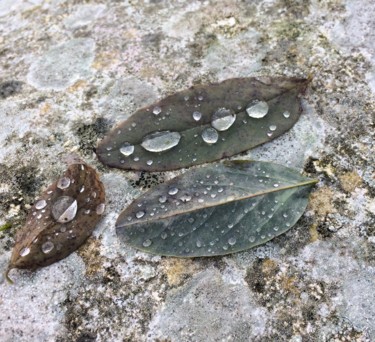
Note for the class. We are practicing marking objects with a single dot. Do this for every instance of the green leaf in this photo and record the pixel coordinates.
(203, 124)
(216, 210)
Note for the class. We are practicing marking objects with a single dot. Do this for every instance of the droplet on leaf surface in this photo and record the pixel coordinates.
(160, 141)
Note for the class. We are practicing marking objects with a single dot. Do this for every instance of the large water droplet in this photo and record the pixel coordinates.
(40, 204)
(232, 241)
(100, 209)
(127, 149)
(156, 110)
(63, 183)
(24, 251)
(64, 209)
(210, 135)
(160, 141)
(47, 247)
(257, 109)
(197, 116)
(172, 191)
(222, 119)
(147, 243)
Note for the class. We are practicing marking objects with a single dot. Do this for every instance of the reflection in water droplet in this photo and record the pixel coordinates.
(210, 135)
(172, 191)
(147, 243)
(24, 251)
(257, 109)
(47, 247)
(160, 141)
(197, 116)
(127, 149)
(273, 128)
(163, 199)
(40, 204)
(222, 119)
(100, 209)
(232, 241)
(286, 114)
(63, 183)
(156, 110)
(140, 214)
(64, 209)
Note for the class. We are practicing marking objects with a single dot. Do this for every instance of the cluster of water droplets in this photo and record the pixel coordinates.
(221, 120)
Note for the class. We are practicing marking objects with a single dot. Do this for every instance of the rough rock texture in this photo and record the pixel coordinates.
(69, 70)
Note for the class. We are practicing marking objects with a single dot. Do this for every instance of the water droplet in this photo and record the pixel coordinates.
(276, 185)
(220, 190)
(275, 229)
(149, 162)
(93, 194)
(190, 220)
(47, 247)
(252, 238)
(164, 235)
(82, 189)
(185, 198)
(63, 183)
(127, 149)
(136, 159)
(286, 114)
(285, 215)
(147, 243)
(160, 141)
(200, 98)
(24, 251)
(210, 135)
(87, 211)
(223, 119)
(172, 191)
(232, 241)
(257, 109)
(100, 209)
(40, 204)
(199, 243)
(197, 116)
(140, 214)
(163, 199)
(64, 209)
(156, 110)
(273, 128)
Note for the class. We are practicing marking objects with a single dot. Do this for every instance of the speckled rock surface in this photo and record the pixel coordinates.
(69, 70)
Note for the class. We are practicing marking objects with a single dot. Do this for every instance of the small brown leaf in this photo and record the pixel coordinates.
(62, 218)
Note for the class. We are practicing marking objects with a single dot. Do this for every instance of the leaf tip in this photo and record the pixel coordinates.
(9, 280)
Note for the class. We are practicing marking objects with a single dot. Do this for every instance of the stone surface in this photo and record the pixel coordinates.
(69, 71)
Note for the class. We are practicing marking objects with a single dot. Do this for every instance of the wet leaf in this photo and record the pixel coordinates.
(216, 210)
(204, 123)
(61, 219)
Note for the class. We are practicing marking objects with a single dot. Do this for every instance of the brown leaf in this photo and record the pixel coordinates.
(62, 218)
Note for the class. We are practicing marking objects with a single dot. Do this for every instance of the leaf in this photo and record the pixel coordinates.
(216, 210)
(62, 218)
(203, 124)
